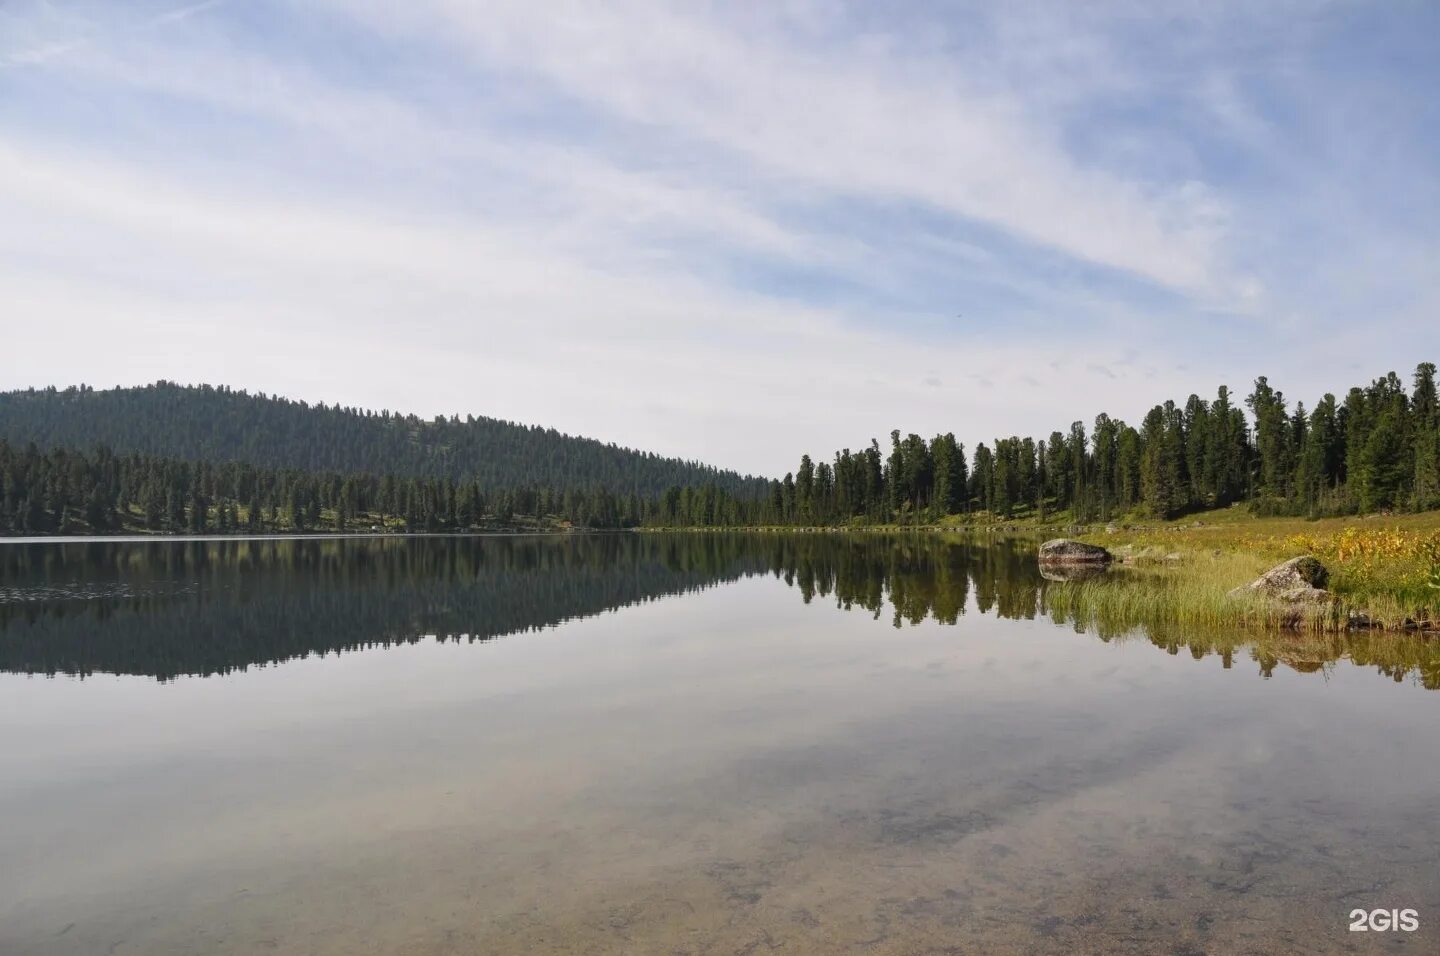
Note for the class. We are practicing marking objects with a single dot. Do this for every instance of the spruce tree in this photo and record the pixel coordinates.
(1425, 439)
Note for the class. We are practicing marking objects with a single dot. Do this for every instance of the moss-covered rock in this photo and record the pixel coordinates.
(1302, 573)
(1066, 551)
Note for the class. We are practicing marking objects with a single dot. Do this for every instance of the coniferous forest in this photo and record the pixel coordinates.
(60, 491)
(219, 424)
(203, 460)
(1375, 449)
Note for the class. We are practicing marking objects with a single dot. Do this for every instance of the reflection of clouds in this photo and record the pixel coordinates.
(731, 750)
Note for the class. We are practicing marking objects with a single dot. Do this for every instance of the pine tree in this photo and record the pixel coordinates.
(199, 511)
(1105, 442)
(1197, 443)
(1319, 457)
(1272, 439)
(895, 475)
(947, 490)
(1127, 467)
(1425, 439)
(982, 479)
(824, 500)
(1160, 461)
(805, 490)
(1226, 451)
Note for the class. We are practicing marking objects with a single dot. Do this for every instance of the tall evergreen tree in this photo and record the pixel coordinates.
(1425, 439)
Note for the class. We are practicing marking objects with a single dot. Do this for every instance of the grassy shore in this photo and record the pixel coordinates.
(1386, 567)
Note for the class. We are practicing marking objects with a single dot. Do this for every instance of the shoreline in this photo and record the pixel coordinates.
(1385, 568)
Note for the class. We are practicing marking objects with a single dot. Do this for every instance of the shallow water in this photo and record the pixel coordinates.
(678, 744)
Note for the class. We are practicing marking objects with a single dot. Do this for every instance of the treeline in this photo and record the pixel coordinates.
(62, 491)
(209, 424)
(1376, 449)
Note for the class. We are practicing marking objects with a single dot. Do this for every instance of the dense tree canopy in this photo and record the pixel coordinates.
(205, 424)
(1377, 450)
(68, 492)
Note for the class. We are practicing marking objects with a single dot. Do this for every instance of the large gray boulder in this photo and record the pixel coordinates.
(1301, 574)
(1065, 551)
(1296, 589)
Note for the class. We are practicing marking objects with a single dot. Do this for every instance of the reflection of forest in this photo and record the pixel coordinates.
(171, 608)
(210, 607)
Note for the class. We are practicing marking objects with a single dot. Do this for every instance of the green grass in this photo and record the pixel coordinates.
(1190, 592)
(1387, 566)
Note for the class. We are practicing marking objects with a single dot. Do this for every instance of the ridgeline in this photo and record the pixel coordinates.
(218, 425)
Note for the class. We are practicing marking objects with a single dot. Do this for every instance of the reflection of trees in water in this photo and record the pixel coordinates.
(921, 577)
(210, 607)
(918, 576)
(1397, 656)
(264, 601)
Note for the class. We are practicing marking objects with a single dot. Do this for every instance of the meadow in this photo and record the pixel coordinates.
(1384, 567)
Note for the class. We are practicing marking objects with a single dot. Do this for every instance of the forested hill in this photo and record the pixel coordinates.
(217, 424)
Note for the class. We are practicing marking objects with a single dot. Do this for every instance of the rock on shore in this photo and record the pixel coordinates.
(1297, 587)
(1290, 581)
(1065, 551)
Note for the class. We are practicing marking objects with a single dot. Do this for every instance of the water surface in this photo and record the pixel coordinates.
(681, 744)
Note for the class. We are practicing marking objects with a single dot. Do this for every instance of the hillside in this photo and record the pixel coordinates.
(216, 424)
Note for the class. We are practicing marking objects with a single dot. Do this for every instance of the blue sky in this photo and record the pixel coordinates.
(731, 232)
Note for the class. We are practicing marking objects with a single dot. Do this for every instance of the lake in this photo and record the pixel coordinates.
(681, 744)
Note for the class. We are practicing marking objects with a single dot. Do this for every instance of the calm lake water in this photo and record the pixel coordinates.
(680, 745)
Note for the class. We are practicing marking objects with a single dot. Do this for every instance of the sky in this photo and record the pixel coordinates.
(731, 232)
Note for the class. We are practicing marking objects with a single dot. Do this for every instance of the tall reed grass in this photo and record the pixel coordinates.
(1387, 569)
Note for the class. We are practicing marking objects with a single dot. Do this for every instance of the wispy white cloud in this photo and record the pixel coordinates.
(182, 12)
(51, 31)
(447, 314)
(721, 231)
(41, 53)
(860, 118)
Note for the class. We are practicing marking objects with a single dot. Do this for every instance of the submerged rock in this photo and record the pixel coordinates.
(1065, 551)
(1073, 571)
(1303, 605)
(1302, 573)
(1360, 621)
